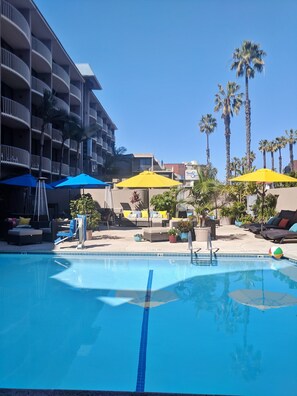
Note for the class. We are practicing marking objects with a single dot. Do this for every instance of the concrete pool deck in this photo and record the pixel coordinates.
(230, 239)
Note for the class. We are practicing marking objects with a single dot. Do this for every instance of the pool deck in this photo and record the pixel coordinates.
(230, 240)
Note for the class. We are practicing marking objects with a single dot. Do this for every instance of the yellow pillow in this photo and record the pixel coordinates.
(24, 221)
(126, 213)
(144, 213)
(163, 213)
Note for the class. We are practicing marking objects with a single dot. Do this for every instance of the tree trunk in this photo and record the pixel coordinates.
(207, 150)
(227, 136)
(264, 159)
(272, 160)
(41, 150)
(61, 159)
(280, 164)
(248, 123)
(291, 156)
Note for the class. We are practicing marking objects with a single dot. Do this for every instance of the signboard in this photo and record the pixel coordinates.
(191, 174)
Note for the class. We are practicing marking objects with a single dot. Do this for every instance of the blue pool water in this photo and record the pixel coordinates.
(155, 324)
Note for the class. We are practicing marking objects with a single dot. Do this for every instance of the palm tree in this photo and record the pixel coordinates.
(48, 112)
(235, 165)
(246, 61)
(207, 124)
(281, 143)
(81, 134)
(271, 148)
(67, 125)
(228, 101)
(113, 163)
(291, 139)
(263, 147)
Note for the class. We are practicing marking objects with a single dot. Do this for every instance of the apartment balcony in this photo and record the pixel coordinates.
(46, 163)
(15, 29)
(61, 79)
(56, 136)
(99, 121)
(67, 143)
(41, 56)
(73, 145)
(104, 127)
(109, 150)
(61, 104)
(14, 70)
(94, 156)
(93, 113)
(99, 160)
(104, 146)
(75, 94)
(36, 125)
(75, 115)
(99, 141)
(56, 168)
(39, 86)
(14, 114)
(72, 171)
(15, 156)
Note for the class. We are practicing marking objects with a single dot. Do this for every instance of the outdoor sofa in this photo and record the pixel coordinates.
(283, 221)
(143, 218)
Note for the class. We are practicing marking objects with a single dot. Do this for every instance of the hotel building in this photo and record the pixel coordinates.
(33, 60)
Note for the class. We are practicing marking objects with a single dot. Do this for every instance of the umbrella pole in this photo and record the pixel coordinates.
(262, 207)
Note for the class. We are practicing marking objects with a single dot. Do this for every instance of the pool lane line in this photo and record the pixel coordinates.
(140, 384)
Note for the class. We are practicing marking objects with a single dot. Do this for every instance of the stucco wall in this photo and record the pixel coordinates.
(287, 198)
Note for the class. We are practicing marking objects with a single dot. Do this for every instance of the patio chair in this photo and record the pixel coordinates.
(65, 235)
(280, 235)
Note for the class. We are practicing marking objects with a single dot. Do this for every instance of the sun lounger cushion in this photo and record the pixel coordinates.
(293, 228)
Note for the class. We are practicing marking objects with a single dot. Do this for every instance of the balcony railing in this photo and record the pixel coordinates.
(61, 104)
(94, 156)
(99, 160)
(93, 113)
(100, 141)
(45, 163)
(42, 50)
(16, 64)
(104, 146)
(75, 91)
(14, 109)
(67, 143)
(36, 124)
(104, 127)
(57, 135)
(15, 156)
(109, 150)
(61, 73)
(72, 171)
(39, 86)
(11, 13)
(99, 121)
(56, 168)
(73, 145)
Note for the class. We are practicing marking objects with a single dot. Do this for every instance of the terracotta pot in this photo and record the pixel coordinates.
(172, 238)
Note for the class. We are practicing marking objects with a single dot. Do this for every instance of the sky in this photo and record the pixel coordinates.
(159, 63)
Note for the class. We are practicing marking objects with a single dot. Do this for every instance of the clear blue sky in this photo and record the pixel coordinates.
(159, 63)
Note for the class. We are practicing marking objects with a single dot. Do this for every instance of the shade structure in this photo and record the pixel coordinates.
(26, 180)
(57, 182)
(264, 176)
(82, 181)
(263, 300)
(148, 179)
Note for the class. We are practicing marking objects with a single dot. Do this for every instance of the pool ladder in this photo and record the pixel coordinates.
(199, 260)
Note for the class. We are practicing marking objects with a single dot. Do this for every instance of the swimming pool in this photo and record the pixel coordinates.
(147, 323)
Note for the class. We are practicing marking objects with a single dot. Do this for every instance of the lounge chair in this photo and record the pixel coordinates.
(279, 235)
(275, 222)
(65, 235)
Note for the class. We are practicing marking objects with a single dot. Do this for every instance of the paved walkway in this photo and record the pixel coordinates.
(230, 239)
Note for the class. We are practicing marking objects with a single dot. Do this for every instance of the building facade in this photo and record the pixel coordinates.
(33, 60)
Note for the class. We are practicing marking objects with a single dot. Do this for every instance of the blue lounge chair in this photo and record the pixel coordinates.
(65, 235)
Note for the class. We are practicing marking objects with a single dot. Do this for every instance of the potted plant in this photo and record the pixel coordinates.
(86, 205)
(138, 237)
(172, 235)
(184, 226)
(226, 215)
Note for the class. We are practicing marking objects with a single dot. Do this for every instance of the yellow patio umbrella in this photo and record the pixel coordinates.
(264, 176)
(148, 179)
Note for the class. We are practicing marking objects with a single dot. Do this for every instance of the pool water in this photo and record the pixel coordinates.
(154, 324)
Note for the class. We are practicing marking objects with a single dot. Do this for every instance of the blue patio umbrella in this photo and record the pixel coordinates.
(82, 181)
(26, 180)
(57, 182)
